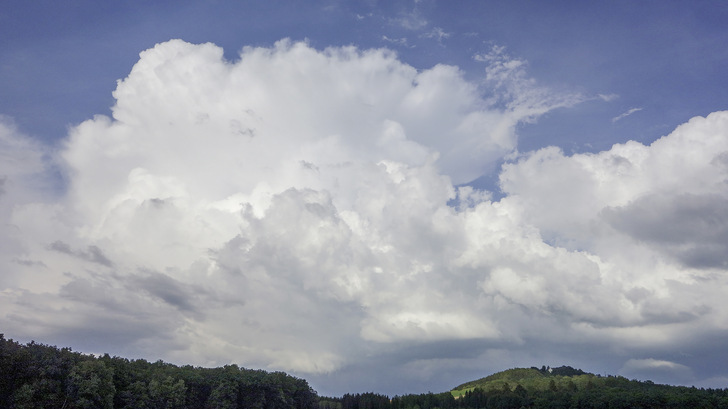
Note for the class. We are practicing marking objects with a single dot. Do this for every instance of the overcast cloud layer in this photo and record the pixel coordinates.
(305, 210)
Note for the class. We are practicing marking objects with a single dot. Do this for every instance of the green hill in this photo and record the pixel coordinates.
(531, 379)
(566, 387)
(545, 388)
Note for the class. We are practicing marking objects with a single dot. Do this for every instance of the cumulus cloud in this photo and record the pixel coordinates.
(25, 179)
(632, 188)
(655, 228)
(93, 254)
(292, 210)
(692, 228)
(23, 166)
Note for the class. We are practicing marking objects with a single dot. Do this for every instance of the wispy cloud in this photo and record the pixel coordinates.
(396, 41)
(626, 114)
(413, 20)
(608, 97)
(516, 89)
(437, 33)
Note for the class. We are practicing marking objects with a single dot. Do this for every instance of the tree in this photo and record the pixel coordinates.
(23, 397)
(135, 396)
(223, 396)
(168, 394)
(91, 385)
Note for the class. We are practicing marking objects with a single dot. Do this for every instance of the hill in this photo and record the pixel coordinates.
(531, 379)
(566, 387)
(552, 388)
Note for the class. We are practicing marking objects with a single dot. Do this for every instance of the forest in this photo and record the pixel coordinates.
(42, 376)
(35, 375)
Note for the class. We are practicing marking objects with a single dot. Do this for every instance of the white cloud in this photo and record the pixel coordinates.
(290, 211)
(658, 370)
(437, 33)
(608, 97)
(626, 114)
(412, 20)
(295, 187)
(402, 41)
(655, 230)
(516, 90)
(598, 187)
(25, 179)
(22, 163)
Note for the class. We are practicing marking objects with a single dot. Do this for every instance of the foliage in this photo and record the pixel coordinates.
(43, 376)
(91, 385)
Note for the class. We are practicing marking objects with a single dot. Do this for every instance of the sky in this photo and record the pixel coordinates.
(395, 197)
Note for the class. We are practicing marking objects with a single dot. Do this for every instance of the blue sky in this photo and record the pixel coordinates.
(664, 57)
(389, 196)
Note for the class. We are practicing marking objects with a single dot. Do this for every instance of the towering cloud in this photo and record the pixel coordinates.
(293, 210)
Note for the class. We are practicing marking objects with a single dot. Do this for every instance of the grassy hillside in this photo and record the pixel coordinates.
(532, 379)
(566, 387)
(545, 388)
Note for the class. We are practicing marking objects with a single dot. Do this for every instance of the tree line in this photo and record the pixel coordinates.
(611, 392)
(43, 376)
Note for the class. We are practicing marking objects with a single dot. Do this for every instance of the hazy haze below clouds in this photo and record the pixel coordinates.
(303, 210)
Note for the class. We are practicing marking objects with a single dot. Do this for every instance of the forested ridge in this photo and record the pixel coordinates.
(42, 376)
(35, 375)
(553, 388)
